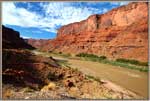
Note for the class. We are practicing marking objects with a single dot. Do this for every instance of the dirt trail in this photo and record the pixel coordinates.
(133, 80)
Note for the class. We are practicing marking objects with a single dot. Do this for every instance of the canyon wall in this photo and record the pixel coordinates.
(119, 33)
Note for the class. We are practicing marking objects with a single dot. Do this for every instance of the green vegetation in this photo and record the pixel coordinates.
(135, 62)
(131, 64)
(87, 55)
(92, 56)
(126, 65)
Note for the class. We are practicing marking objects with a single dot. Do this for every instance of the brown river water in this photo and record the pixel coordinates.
(133, 80)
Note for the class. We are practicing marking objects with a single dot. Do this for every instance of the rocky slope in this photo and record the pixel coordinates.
(119, 33)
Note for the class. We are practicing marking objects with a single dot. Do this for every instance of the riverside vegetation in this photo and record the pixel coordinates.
(121, 62)
(127, 63)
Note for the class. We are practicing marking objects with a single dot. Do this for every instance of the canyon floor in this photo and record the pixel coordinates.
(133, 80)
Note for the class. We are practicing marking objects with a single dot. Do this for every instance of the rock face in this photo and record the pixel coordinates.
(119, 33)
(12, 39)
(17, 66)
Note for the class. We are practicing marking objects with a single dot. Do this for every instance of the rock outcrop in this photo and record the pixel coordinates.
(119, 33)
(17, 64)
(11, 39)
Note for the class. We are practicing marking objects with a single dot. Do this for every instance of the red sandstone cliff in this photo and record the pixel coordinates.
(119, 33)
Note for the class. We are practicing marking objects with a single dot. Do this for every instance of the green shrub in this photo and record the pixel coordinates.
(135, 62)
(87, 55)
(127, 61)
(92, 56)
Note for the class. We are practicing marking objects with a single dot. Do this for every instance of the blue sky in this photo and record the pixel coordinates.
(40, 20)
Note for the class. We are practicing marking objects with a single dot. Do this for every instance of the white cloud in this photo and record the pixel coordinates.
(67, 13)
(25, 37)
(22, 17)
(105, 10)
(119, 3)
(57, 13)
(124, 3)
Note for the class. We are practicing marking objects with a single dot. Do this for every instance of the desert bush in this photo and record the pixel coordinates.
(87, 55)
